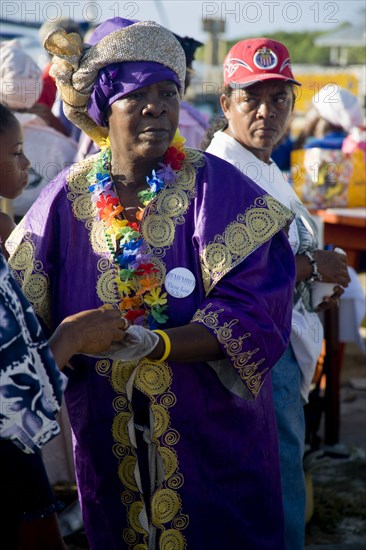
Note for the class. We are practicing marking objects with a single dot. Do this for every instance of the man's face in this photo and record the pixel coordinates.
(258, 116)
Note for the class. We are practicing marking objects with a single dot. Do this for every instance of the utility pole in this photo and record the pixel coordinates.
(214, 27)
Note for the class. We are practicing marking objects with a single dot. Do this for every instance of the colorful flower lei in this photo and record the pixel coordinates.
(140, 296)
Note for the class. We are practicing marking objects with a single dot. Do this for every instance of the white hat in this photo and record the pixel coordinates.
(338, 106)
(20, 77)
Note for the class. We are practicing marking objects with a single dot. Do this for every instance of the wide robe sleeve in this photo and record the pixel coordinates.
(248, 271)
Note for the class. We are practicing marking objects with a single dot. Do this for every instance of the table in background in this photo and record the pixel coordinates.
(345, 228)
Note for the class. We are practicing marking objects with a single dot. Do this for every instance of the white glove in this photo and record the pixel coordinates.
(138, 343)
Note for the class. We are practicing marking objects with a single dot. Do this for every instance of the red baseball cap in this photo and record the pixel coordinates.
(257, 59)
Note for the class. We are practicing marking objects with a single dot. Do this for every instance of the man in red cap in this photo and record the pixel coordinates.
(257, 102)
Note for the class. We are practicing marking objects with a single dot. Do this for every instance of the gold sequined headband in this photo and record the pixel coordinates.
(75, 65)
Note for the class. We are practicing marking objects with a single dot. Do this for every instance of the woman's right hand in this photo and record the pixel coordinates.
(332, 266)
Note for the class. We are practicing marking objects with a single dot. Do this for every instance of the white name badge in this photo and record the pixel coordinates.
(180, 282)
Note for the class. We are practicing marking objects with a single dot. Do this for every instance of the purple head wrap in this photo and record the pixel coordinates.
(116, 80)
(111, 25)
(119, 79)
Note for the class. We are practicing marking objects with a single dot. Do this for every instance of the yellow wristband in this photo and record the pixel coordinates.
(168, 346)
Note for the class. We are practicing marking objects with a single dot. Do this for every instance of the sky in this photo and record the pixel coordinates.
(185, 17)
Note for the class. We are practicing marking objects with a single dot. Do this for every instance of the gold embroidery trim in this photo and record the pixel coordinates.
(171, 205)
(242, 361)
(241, 237)
(30, 274)
(154, 380)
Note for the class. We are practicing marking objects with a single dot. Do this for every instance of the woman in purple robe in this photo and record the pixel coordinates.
(175, 437)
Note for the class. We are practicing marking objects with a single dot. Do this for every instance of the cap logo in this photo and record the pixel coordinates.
(233, 64)
(265, 58)
(285, 64)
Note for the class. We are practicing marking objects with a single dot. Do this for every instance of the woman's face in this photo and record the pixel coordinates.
(142, 124)
(14, 164)
(258, 116)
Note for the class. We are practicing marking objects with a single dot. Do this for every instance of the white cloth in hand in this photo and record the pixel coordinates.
(138, 343)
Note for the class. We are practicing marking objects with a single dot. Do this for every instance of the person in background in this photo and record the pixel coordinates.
(14, 166)
(48, 150)
(281, 153)
(174, 430)
(334, 114)
(339, 111)
(192, 123)
(323, 174)
(257, 103)
(31, 385)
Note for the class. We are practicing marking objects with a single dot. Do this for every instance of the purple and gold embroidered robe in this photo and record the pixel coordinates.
(213, 456)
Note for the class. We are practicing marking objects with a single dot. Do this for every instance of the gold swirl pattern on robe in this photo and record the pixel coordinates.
(242, 360)
(133, 515)
(158, 230)
(30, 273)
(172, 539)
(241, 237)
(154, 380)
(97, 237)
(165, 505)
(171, 205)
(126, 472)
(120, 428)
(85, 210)
(154, 377)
